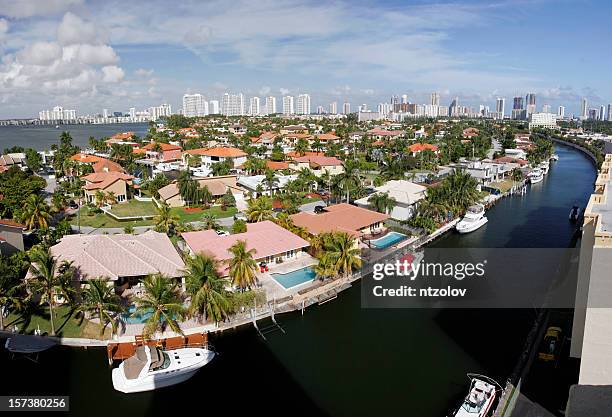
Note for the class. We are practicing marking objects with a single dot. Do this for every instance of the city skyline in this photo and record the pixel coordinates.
(91, 55)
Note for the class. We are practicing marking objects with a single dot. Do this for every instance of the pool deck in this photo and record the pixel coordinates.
(275, 290)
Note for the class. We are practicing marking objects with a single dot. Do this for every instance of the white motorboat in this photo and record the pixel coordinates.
(480, 398)
(473, 219)
(151, 368)
(536, 176)
(544, 167)
(554, 157)
(574, 214)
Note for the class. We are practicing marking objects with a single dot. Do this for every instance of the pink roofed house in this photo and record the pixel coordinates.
(271, 243)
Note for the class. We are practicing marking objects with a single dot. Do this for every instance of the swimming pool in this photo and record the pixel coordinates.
(295, 278)
(131, 318)
(388, 240)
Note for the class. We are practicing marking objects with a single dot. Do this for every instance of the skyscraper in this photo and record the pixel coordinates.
(602, 112)
(453, 109)
(530, 103)
(194, 105)
(333, 108)
(584, 108)
(288, 105)
(517, 103)
(609, 118)
(303, 104)
(270, 105)
(346, 108)
(233, 104)
(500, 105)
(561, 112)
(213, 107)
(404, 98)
(254, 108)
(546, 108)
(434, 99)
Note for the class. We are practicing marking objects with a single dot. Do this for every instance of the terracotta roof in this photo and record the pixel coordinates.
(319, 160)
(470, 132)
(123, 135)
(267, 238)
(277, 165)
(418, 147)
(220, 152)
(86, 158)
(172, 155)
(340, 217)
(383, 132)
(106, 165)
(11, 223)
(121, 255)
(327, 136)
(509, 159)
(164, 146)
(216, 187)
(101, 180)
(294, 154)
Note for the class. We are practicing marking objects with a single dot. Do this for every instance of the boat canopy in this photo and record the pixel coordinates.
(135, 364)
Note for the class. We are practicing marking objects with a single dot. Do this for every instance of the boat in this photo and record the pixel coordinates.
(544, 166)
(574, 214)
(57, 126)
(151, 368)
(554, 157)
(480, 398)
(536, 176)
(473, 219)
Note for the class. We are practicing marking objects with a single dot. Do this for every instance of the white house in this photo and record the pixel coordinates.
(405, 193)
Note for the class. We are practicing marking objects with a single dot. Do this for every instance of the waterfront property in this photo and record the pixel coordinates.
(123, 258)
(356, 221)
(210, 156)
(113, 182)
(591, 332)
(406, 194)
(388, 240)
(272, 243)
(295, 278)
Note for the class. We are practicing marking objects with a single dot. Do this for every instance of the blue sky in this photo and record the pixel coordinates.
(115, 54)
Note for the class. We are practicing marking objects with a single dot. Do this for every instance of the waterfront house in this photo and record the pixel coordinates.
(118, 183)
(11, 237)
(406, 194)
(356, 221)
(125, 259)
(272, 243)
(217, 186)
(210, 156)
(161, 152)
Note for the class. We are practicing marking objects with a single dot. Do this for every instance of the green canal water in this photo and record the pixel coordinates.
(339, 359)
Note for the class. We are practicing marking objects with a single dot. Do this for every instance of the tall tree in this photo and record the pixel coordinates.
(242, 266)
(162, 300)
(100, 301)
(36, 212)
(209, 297)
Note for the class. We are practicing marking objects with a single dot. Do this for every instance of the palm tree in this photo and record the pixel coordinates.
(242, 265)
(325, 268)
(259, 209)
(100, 197)
(206, 288)
(164, 219)
(301, 146)
(49, 280)
(210, 222)
(342, 252)
(8, 295)
(270, 180)
(110, 198)
(100, 300)
(162, 300)
(36, 212)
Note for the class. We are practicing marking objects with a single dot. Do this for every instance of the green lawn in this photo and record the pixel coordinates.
(503, 186)
(97, 220)
(65, 323)
(197, 215)
(134, 208)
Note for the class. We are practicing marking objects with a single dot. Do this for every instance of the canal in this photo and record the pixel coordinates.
(339, 359)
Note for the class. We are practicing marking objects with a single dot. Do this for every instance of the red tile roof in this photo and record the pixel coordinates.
(101, 180)
(340, 217)
(219, 152)
(418, 147)
(319, 160)
(11, 223)
(164, 146)
(86, 158)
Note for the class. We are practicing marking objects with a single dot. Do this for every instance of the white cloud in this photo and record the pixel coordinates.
(74, 30)
(112, 74)
(141, 72)
(28, 8)
(283, 91)
(40, 53)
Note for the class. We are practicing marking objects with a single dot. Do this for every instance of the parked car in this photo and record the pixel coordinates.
(319, 209)
(222, 233)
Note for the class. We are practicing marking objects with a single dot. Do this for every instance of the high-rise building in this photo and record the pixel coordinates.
(602, 112)
(213, 107)
(132, 112)
(517, 103)
(233, 104)
(404, 99)
(254, 106)
(453, 109)
(530, 103)
(593, 114)
(346, 108)
(546, 108)
(163, 110)
(105, 113)
(500, 105)
(434, 99)
(303, 104)
(270, 105)
(288, 105)
(194, 105)
(561, 112)
(609, 118)
(57, 113)
(333, 108)
(584, 108)
(320, 110)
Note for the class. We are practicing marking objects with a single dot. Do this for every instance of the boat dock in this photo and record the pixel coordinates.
(122, 350)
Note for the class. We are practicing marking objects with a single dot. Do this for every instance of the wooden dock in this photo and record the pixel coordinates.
(121, 351)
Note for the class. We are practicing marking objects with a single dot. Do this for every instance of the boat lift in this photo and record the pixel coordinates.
(275, 326)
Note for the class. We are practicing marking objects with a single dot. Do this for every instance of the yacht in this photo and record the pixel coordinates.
(151, 368)
(479, 400)
(544, 167)
(536, 176)
(474, 219)
(554, 157)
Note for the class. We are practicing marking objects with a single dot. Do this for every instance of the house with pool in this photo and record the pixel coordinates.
(406, 194)
(366, 226)
(283, 262)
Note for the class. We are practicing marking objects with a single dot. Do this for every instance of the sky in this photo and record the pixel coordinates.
(90, 55)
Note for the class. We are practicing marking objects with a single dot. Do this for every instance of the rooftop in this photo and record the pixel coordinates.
(340, 217)
(219, 152)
